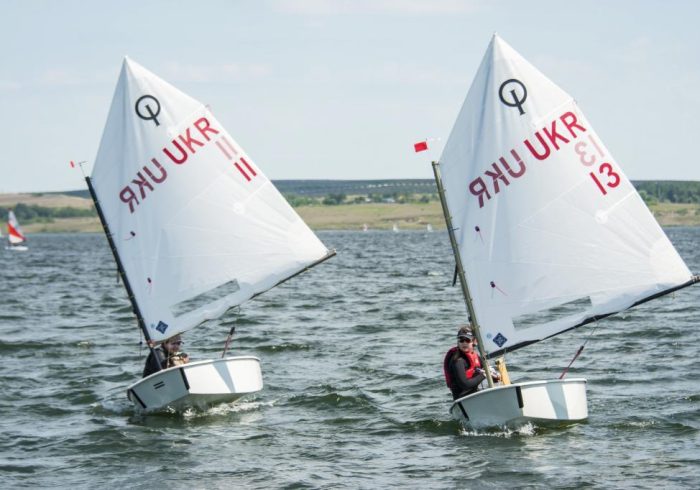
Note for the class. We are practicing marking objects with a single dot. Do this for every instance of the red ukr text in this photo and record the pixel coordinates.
(542, 145)
(179, 150)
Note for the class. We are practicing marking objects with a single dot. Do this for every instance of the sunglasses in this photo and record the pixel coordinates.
(464, 340)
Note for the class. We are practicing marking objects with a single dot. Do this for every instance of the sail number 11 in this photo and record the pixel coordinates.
(606, 175)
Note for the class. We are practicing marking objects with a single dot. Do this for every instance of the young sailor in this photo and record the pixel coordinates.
(168, 354)
(463, 365)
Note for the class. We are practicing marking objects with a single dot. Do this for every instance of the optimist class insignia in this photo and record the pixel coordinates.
(499, 340)
(162, 326)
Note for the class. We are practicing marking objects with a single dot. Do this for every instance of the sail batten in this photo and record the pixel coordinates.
(198, 226)
(548, 225)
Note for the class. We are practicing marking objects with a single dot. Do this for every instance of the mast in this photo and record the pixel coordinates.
(120, 267)
(460, 271)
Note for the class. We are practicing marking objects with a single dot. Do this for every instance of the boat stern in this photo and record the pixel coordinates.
(517, 404)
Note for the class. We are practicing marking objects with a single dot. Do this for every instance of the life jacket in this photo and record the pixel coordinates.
(446, 366)
(474, 363)
(472, 358)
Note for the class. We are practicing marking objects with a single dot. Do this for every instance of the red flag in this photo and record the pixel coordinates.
(421, 146)
(72, 165)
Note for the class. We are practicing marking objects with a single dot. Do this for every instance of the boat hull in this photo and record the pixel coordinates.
(514, 405)
(198, 384)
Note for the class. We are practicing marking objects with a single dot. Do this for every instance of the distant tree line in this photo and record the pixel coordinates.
(337, 198)
(653, 191)
(27, 213)
(332, 193)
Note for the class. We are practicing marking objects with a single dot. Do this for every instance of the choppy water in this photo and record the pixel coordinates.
(354, 396)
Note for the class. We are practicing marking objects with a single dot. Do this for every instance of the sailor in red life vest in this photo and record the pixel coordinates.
(463, 365)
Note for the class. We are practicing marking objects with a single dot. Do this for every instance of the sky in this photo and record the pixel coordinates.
(339, 89)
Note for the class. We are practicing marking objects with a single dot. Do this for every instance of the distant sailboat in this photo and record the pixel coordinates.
(547, 232)
(365, 227)
(196, 229)
(15, 236)
(395, 228)
(429, 228)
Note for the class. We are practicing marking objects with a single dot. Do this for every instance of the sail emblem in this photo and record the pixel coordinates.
(516, 102)
(151, 115)
(162, 326)
(499, 340)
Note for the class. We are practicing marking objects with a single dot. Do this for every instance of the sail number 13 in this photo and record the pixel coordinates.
(604, 176)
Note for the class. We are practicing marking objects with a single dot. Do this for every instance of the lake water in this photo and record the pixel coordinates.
(354, 396)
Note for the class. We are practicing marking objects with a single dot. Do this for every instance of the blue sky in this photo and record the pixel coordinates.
(342, 89)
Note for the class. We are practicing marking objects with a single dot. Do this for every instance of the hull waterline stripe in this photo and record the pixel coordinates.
(519, 394)
(464, 412)
(133, 393)
(184, 378)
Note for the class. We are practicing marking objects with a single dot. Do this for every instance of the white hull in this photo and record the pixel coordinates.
(17, 248)
(519, 403)
(198, 384)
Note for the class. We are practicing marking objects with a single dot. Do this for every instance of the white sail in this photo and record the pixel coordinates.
(549, 229)
(197, 225)
(14, 233)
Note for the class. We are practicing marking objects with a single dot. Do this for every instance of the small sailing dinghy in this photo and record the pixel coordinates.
(15, 236)
(548, 234)
(195, 227)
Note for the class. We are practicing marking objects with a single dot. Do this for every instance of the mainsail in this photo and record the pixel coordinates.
(550, 231)
(196, 224)
(14, 233)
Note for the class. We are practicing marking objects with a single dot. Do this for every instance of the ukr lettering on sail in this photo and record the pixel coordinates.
(543, 144)
(179, 150)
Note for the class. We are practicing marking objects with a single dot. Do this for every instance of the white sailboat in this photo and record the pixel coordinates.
(15, 236)
(195, 227)
(548, 233)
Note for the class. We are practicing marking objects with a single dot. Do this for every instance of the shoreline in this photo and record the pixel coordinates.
(377, 216)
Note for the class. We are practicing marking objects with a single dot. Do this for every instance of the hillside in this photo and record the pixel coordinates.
(341, 204)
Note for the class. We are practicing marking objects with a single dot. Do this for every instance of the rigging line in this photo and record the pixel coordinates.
(578, 352)
(230, 333)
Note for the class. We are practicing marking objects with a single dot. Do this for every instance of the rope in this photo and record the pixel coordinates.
(230, 333)
(578, 353)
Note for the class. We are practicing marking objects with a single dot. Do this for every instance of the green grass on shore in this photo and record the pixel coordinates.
(377, 216)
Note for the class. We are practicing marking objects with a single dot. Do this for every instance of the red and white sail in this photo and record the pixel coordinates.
(14, 233)
(198, 226)
(550, 231)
